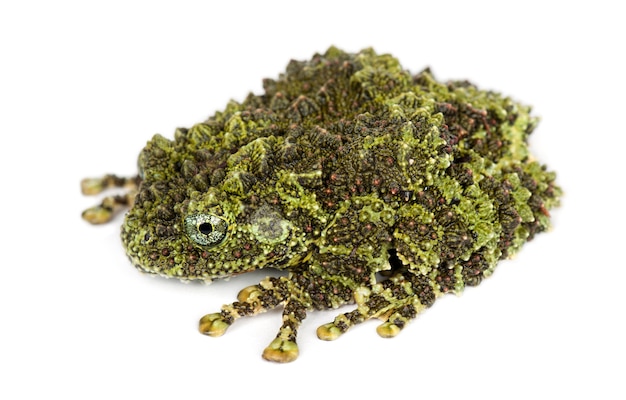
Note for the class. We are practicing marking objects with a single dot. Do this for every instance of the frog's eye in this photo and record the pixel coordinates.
(206, 229)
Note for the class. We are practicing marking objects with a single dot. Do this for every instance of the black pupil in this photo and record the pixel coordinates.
(205, 228)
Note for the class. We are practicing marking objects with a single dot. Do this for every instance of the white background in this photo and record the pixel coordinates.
(84, 86)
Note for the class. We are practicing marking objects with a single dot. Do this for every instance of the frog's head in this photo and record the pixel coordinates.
(176, 230)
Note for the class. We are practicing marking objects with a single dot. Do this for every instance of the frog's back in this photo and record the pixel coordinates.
(437, 175)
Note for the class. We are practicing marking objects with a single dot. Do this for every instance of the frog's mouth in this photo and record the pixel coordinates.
(210, 244)
(136, 251)
(135, 262)
(145, 245)
(182, 258)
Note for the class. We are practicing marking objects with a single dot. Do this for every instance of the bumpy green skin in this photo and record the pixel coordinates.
(369, 185)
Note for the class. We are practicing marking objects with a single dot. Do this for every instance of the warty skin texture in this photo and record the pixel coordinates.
(369, 185)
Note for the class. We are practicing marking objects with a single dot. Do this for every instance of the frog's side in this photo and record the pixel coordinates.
(345, 170)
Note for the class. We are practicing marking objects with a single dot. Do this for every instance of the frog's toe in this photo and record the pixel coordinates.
(281, 350)
(329, 331)
(340, 325)
(248, 294)
(397, 318)
(98, 215)
(213, 325)
(109, 207)
(388, 329)
(91, 186)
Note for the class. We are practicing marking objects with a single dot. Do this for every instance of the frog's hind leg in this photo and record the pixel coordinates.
(110, 205)
(267, 295)
(395, 301)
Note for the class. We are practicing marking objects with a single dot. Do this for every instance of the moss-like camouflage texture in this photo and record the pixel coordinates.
(369, 185)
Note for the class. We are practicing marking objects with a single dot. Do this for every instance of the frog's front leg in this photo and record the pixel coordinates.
(252, 300)
(268, 294)
(110, 205)
(299, 292)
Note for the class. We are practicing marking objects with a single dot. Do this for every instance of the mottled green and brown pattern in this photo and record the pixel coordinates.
(369, 185)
